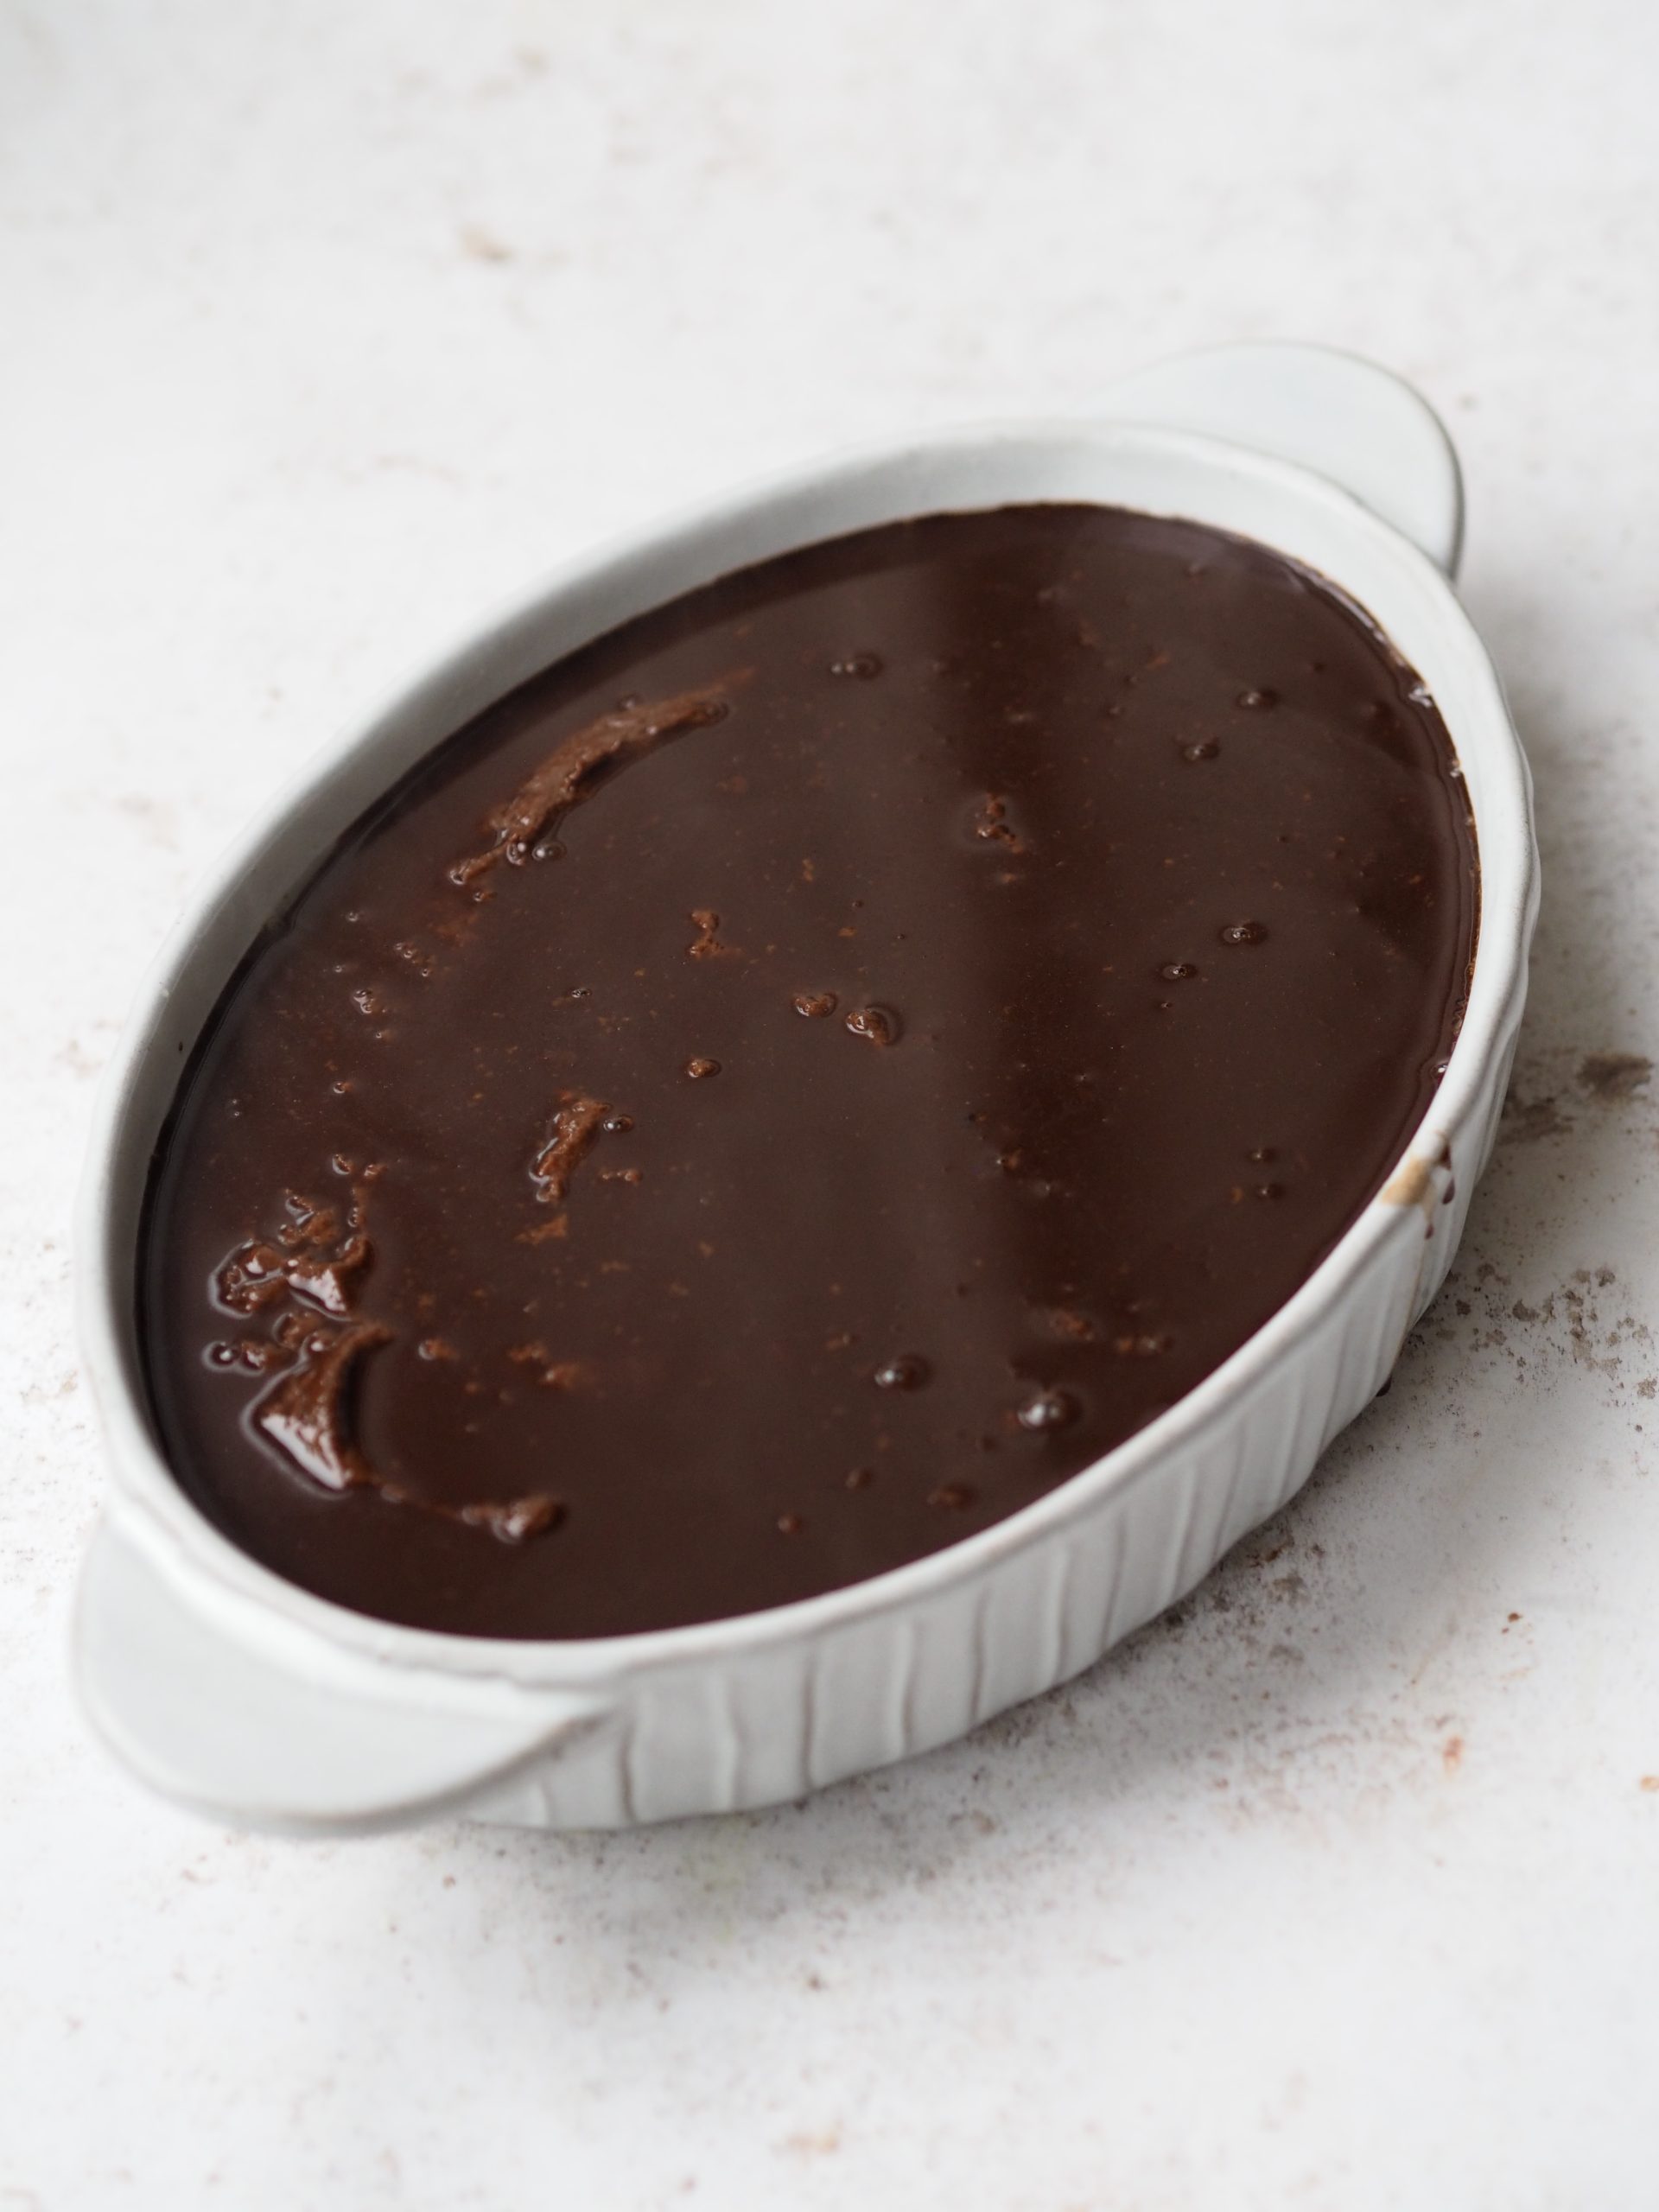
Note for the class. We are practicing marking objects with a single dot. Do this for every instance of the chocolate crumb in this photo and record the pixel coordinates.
(543, 800)
(576, 1122)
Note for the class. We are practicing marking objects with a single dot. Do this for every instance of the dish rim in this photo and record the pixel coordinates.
(143, 1487)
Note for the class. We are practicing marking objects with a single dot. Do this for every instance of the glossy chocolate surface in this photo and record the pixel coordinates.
(806, 1075)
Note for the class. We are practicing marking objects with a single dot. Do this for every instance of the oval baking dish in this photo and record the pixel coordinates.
(233, 1690)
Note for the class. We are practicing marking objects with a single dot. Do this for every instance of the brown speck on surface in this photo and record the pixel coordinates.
(557, 1228)
(991, 824)
(1451, 1753)
(953, 1497)
(707, 945)
(551, 1374)
(1612, 1076)
(790, 1524)
(815, 1005)
(1650, 1783)
(1069, 1325)
(878, 1025)
(701, 1069)
(814, 2144)
(480, 245)
(518, 1520)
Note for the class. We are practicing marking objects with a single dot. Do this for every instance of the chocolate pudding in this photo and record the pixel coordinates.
(807, 1074)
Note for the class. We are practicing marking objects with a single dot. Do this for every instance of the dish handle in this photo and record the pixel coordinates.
(1336, 413)
(262, 1724)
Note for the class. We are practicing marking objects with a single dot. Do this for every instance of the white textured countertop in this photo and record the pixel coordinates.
(322, 326)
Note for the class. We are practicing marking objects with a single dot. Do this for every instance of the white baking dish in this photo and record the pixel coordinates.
(230, 1689)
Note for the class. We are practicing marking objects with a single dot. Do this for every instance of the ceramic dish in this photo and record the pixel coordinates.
(232, 1690)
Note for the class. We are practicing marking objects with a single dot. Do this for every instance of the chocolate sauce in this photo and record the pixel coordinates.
(807, 1074)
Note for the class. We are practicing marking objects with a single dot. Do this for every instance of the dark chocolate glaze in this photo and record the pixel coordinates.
(806, 1075)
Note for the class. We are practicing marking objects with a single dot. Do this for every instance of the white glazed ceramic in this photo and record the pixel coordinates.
(231, 1690)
